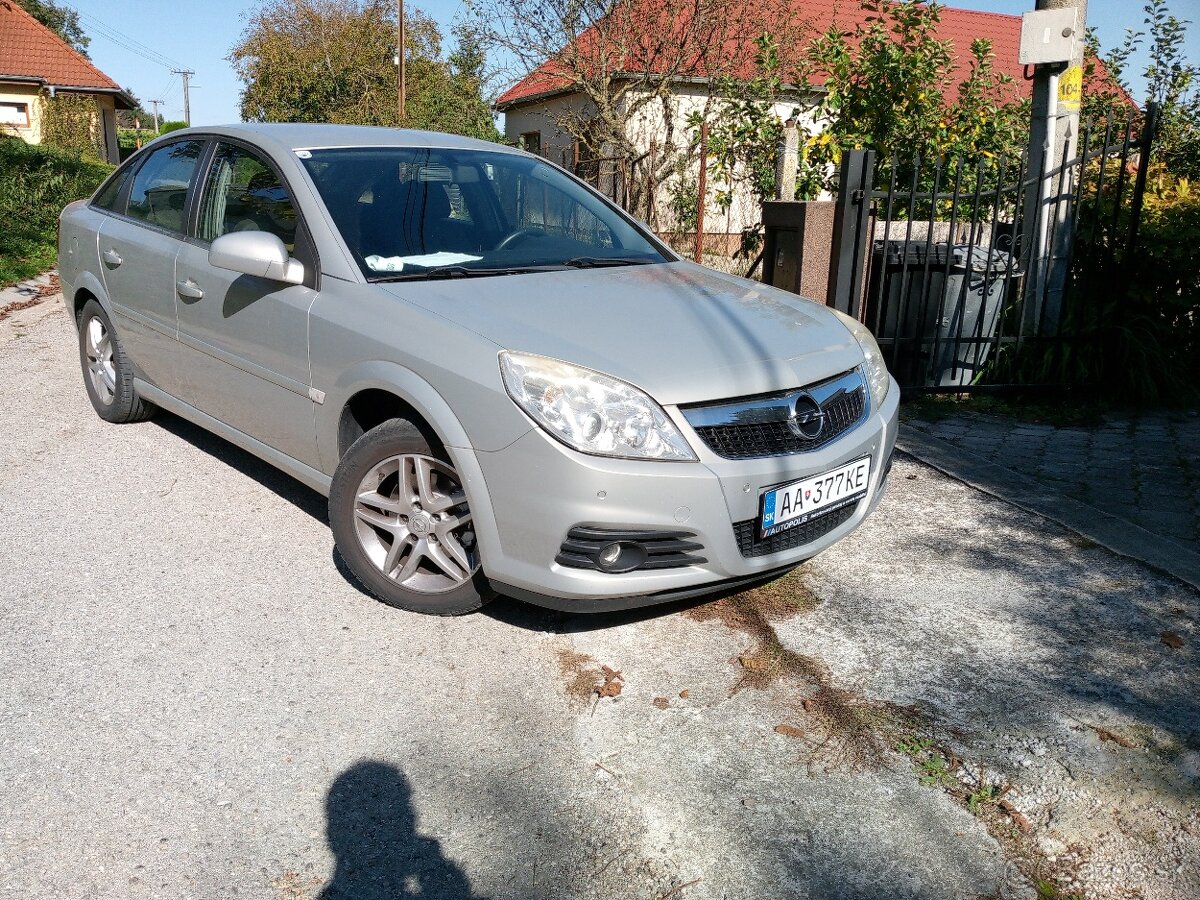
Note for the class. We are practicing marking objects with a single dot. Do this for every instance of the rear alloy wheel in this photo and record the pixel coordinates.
(107, 371)
(401, 522)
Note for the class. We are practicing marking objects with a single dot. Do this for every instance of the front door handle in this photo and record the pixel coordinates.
(112, 257)
(189, 289)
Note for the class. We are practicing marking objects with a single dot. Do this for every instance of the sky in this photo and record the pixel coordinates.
(138, 42)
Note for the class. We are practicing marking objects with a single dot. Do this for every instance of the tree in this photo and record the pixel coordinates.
(333, 61)
(1172, 81)
(624, 61)
(62, 20)
(893, 86)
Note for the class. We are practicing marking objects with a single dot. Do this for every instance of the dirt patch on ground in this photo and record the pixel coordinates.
(43, 293)
(851, 730)
(581, 674)
(586, 679)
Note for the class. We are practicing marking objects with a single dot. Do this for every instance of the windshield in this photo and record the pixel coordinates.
(418, 212)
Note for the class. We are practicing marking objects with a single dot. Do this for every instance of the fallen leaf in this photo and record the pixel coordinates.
(683, 695)
(662, 702)
(789, 730)
(1015, 815)
(1172, 640)
(911, 477)
(1106, 735)
(806, 703)
(612, 683)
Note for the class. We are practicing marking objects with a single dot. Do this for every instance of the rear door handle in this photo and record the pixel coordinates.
(112, 257)
(189, 289)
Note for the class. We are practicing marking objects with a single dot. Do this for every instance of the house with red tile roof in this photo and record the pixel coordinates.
(37, 64)
(535, 106)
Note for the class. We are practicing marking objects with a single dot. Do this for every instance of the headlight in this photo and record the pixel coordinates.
(878, 380)
(591, 412)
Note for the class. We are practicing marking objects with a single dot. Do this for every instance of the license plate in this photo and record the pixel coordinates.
(802, 501)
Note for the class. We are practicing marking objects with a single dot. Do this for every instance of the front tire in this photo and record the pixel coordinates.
(401, 523)
(107, 371)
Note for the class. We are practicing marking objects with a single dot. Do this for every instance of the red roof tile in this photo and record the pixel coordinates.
(959, 26)
(28, 49)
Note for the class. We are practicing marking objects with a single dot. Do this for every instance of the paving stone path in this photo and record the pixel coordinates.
(1143, 468)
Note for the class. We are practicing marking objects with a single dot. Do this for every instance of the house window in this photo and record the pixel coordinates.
(531, 142)
(16, 114)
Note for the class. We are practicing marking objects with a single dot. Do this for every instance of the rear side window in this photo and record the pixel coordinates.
(158, 195)
(243, 193)
(111, 193)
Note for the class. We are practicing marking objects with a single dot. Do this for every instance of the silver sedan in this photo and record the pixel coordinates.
(501, 381)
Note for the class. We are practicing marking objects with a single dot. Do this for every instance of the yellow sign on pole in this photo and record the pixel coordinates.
(1070, 90)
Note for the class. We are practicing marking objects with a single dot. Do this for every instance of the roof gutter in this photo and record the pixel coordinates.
(542, 96)
(121, 97)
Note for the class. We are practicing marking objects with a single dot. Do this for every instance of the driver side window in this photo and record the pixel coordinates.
(243, 193)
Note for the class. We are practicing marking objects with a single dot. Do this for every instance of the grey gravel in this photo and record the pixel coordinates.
(196, 702)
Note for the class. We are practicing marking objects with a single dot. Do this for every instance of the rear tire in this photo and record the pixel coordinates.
(107, 371)
(401, 523)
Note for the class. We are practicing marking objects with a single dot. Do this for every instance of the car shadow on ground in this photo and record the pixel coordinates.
(372, 831)
(302, 497)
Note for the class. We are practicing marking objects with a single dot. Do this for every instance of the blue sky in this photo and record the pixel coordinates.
(199, 36)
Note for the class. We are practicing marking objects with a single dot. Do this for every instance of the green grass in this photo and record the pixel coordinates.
(35, 184)
(1062, 414)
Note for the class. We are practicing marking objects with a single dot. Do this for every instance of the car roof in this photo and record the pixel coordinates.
(291, 136)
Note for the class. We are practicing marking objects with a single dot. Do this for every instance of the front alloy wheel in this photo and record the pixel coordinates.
(400, 518)
(412, 522)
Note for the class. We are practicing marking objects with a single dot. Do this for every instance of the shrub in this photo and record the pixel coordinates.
(36, 182)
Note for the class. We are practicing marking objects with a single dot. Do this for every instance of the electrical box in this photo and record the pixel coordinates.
(1048, 36)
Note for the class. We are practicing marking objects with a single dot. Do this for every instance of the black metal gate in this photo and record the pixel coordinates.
(980, 275)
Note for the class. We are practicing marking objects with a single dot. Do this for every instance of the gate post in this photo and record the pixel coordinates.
(850, 239)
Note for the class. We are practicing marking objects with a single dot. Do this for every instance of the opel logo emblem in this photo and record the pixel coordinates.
(807, 419)
(418, 524)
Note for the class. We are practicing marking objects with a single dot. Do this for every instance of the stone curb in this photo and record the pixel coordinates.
(1111, 532)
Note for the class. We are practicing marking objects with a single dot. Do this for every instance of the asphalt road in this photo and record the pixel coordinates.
(195, 701)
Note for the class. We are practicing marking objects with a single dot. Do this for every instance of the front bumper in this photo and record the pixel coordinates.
(538, 490)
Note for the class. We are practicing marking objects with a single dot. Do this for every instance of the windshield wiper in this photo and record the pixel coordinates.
(594, 262)
(462, 272)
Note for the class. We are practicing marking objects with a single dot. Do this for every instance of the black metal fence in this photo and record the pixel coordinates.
(984, 275)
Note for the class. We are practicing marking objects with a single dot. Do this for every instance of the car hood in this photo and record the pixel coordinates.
(679, 331)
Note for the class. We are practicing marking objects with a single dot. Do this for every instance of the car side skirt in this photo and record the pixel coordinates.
(305, 474)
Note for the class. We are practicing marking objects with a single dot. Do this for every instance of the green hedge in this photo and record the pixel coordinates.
(35, 184)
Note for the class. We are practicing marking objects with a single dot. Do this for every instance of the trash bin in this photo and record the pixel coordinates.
(940, 307)
(974, 297)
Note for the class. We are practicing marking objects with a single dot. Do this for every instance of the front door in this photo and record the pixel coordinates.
(137, 254)
(244, 339)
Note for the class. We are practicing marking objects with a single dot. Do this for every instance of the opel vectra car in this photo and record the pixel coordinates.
(501, 381)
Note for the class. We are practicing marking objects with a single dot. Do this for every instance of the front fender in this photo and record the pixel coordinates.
(422, 396)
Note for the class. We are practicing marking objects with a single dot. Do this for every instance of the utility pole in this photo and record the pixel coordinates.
(155, 104)
(400, 58)
(187, 105)
(1056, 44)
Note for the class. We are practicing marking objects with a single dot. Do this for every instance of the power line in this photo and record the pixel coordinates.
(108, 32)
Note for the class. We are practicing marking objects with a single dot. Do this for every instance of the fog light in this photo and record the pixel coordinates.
(610, 554)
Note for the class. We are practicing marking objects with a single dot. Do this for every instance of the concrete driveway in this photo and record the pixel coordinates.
(961, 700)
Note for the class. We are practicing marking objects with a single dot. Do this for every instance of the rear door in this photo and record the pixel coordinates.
(138, 243)
(244, 339)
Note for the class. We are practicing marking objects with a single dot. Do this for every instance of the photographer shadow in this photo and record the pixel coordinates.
(371, 829)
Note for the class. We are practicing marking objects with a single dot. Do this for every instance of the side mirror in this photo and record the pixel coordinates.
(256, 253)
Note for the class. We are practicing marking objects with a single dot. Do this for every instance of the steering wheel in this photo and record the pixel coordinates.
(512, 239)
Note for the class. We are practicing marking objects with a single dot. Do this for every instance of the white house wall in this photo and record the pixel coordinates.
(648, 131)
